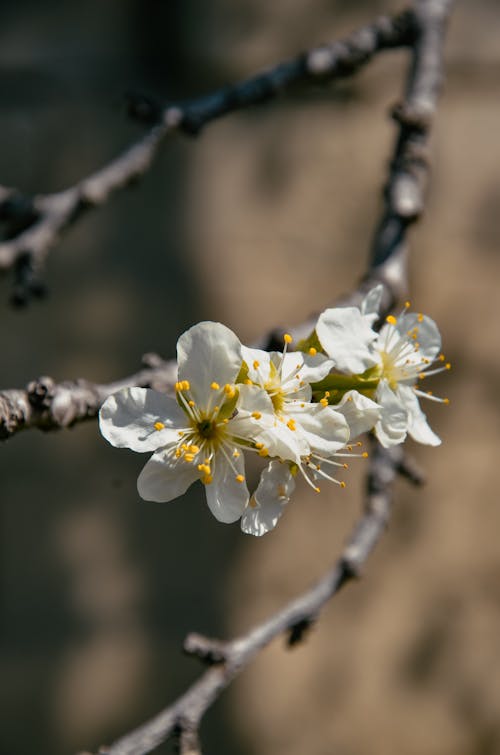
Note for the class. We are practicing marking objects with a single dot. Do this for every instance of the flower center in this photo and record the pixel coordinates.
(389, 369)
(207, 429)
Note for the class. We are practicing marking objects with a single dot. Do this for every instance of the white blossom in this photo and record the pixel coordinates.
(385, 365)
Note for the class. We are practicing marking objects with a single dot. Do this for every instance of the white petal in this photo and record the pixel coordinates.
(284, 443)
(346, 337)
(261, 359)
(360, 412)
(127, 419)
(393, 423)
(226, 497)
(370, 305)
(311, 368)
(428, 336)
(163, 479)
(208, 353)
(275, 487)
(418, 426)
(325, 429)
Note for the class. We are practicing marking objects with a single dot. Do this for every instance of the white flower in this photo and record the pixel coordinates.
(385, 365)
(201, 435)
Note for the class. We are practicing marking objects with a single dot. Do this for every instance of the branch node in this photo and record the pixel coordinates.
(41, 392)
(208, 650)
(298, 631)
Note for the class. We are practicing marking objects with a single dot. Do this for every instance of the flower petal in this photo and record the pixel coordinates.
(360, 412)
(418, 426)
(258, 363)
(275, 487)
(163, 479)
(370, 306)
(127, 419)
(226, 497)
(324, 429)
(208, 353)
(307, 368)
(346, 336)
(392, 426)
(427, 334)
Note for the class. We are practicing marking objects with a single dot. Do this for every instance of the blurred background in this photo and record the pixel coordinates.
(265, 218)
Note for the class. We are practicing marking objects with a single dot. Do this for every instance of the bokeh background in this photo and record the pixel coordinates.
(263, 219)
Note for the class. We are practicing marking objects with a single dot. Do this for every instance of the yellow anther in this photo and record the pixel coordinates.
(256, 364)
(446, 401)
(359, 443)
(191, 402)
(178, 453)
(407, 305)
(189, 457)
(365, 454)
(159, 426)
(207, 479)
(318, 466)
(291, 425)
(180, 433)
(178, 386)
(349, 398)
(247, 381)
(448, 366)
(346, 466)
(312, 351)
(204, 468)
(421, 375)
(264, 452)
(420, 317)
(342, 484)
(214, 386)
(287, 338)
(256, 415)
(236, 454)
(324, 402)
(391, 320)
(194, 449)
(429, 393)
(349, 448)
(317, 490)
(441, 357)
(259, 445)
(302, 405)
(229, 390)
(327, 394)
(240, 478)
(225, 421)
(185, 385)
(301, 383)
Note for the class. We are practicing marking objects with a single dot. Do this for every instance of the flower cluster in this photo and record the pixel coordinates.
(300, 411)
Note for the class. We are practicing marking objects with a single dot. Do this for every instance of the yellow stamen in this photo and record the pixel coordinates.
(189, 457)
(229, 390)
(346, 466)
(214, 386)
(291, 425)
(259, 445)
(159, 426)
(287, 338)
(342, 484)
(256, 364)
(191, 403)
(240, 478)
(391, 320)
(263, 452)
(446, 401)
(236, 454)
(194, 449)
(247, 381)
(407, 305)
(312, 351)
(317, 490)
(365, 454)
(207, 479)
(420, 317)
(448, 366)
(185, 385)
(324, 402)
(256, 415)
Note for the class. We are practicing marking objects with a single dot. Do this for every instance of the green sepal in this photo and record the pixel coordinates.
(227, 409)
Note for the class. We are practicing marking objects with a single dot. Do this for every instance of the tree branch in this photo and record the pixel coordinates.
(35, 224)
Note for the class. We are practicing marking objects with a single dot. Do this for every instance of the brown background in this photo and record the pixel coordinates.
(263, 219)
